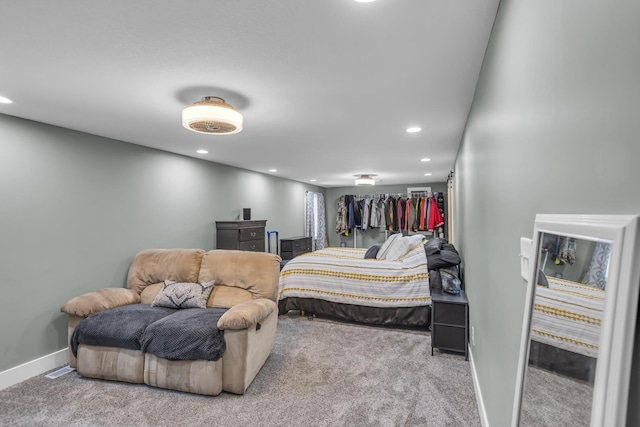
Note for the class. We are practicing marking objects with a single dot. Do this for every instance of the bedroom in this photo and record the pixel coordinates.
(552, 129)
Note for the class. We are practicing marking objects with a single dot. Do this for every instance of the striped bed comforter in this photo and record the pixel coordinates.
(568, 315)
(342, 275)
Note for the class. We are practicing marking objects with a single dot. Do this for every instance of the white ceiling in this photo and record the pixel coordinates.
(326, 87)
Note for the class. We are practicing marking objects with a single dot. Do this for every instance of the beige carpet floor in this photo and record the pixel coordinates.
(320, 373)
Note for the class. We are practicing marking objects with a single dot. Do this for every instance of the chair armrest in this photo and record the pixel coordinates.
(246, 314)
(100, 300)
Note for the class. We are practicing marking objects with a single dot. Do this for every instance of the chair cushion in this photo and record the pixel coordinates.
(189, 334)
(227, 296)
(155, 265)
(120, 327)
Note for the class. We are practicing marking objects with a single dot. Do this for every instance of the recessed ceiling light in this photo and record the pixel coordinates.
(313, 180)
(273, 170)
(428, 174)
(426, 159)
(202, 152)
(414, 129)
(365, 1)
(4, 100)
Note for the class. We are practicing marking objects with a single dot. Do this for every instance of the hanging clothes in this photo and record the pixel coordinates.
(568, 251)
(407, 212)
(357, 213)
(423, 215)
(351, 223)
(435, 218)
(374, 214)
(440, 199)
(400, 204)
(341, 220)
(390, 218)
(366, 213)
(382, 211)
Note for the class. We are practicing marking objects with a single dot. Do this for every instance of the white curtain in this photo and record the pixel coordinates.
(598, 269)
(314, 219)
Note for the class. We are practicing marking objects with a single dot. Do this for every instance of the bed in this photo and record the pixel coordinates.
(565, 328)
(342, 284)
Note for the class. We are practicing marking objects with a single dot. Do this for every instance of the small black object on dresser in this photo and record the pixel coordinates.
(449, 321)
(294, 246)
(241, 235)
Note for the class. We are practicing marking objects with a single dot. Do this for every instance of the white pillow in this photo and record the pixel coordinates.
(385, 246)
(402, 247)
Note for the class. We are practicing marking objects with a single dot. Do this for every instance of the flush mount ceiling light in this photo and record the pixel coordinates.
(365, 179)
(212, 116)
(413, 129)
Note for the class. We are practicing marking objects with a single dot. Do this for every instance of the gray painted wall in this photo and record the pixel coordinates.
(553, 129)
(364, 239)
(75, 209)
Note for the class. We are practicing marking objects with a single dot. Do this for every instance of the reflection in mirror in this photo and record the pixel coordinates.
(565, 331)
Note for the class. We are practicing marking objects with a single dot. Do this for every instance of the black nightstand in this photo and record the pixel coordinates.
(449, 320)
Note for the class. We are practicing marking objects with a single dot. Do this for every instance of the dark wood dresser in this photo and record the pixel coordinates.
(294, 246)
(241, 235)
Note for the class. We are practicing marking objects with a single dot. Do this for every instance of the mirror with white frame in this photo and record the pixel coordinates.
(580, 310)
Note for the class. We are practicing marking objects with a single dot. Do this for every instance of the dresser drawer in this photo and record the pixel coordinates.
(251, 234)
(449, 337)
(252, 245)
(449, 313)
(241, 235)
(296, 244)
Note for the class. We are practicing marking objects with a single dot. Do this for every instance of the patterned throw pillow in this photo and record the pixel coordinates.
(183, 295)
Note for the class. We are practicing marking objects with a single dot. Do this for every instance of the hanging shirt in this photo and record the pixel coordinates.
(400, 204)
(390, 217)
(374, 216)
(366, 212)
(351, 223)
(341, 219)
(423, 209)
(435, 219)
(383, 211)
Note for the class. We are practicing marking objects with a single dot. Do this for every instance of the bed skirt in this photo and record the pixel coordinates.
(563, 362)
(419, 316)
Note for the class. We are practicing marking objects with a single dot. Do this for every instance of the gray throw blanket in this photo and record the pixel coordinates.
(120, 327)
(188, 334)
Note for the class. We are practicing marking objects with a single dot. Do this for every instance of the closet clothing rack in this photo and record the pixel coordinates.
(414, 221)
(386, 195)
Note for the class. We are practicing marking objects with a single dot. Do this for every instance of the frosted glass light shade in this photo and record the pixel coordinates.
(365, 180)
(212, 116)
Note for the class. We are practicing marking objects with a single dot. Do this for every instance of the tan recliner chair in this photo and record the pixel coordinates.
(245, 282)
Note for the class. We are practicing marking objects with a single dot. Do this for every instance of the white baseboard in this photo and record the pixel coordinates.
(476, 385)
(35, 367)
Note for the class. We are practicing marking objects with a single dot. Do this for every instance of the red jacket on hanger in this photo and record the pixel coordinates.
(435, 218)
